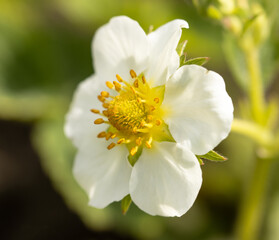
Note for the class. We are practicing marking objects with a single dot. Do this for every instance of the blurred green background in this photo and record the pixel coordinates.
(44, 53)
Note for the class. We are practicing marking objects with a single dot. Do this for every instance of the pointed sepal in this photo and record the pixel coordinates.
(125, 204)
(212, 156)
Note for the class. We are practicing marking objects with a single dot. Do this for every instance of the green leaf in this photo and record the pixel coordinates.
(181, 47)
(125, 204)
(212, 156)
(198, 61)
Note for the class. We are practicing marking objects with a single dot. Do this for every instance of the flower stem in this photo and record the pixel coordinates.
(256, 92)
(252, 208)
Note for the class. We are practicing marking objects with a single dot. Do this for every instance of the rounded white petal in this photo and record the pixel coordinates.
(118, 47)
(164, 59)
(200, 110)
(165, 180)
(104, 174)
(79, 126)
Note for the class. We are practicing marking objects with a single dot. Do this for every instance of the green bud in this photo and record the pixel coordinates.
(226, 6)
(214, 13)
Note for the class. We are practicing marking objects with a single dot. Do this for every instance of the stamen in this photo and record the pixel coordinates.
(136, 83)
(112, 145)
(99, 121)
(134, 150)
(152, 108)
(156, 100)
(94, 110)
(105, 105)
(133, 74)
(105, 112)
(143, 79)
(139, 141)
(101, 98)
(113, 136)
(108, 135)
(149, 118)
(117, 86)
(121, 140)
(158, 122)
(148, 143)
(101, 135)
(119, 78)
(109, 85)
(104, 94)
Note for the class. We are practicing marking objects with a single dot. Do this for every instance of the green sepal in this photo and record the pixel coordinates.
(125, 204)
(181, 47)
(200, 160)
(198, 61)
(249, 22)
(212, 156)
(163, 133)
(133, 159)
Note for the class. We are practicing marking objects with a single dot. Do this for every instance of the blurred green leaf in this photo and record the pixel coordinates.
(236, 61)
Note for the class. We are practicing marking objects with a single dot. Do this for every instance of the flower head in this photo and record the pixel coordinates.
(140, 119)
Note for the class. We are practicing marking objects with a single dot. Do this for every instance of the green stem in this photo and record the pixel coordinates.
(254, 131)
(256, 92)
(252, 208)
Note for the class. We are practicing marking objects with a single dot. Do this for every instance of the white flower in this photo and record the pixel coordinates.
(145, 106)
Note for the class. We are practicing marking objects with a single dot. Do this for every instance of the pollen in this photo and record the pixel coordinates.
(133, 113)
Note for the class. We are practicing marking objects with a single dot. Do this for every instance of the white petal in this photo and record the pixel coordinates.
(164, 59)
(165, 180)
(201, 111)
(104, 174)
(79, 124)
(118, 47)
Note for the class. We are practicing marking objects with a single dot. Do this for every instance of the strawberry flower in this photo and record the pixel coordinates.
(139, 121)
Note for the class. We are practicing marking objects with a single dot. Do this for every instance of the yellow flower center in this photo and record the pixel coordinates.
(134, 115)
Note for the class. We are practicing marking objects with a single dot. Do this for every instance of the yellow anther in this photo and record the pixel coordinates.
(119, 78)
(117, 86)
(95, 110)
(136, 83)
(99, 121)
(101, 99)
(105, 112)
(104, 94)
(152, 108)
(156, 100)
(133, 74)
(105, 105)
(109, 85)
(149, 118)
(143, 79)
(158, 122)
(108, 135)
(139, 141)
(134, 150)
(101, 134)
(113, 136)
(121, 140)
(112, 145)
